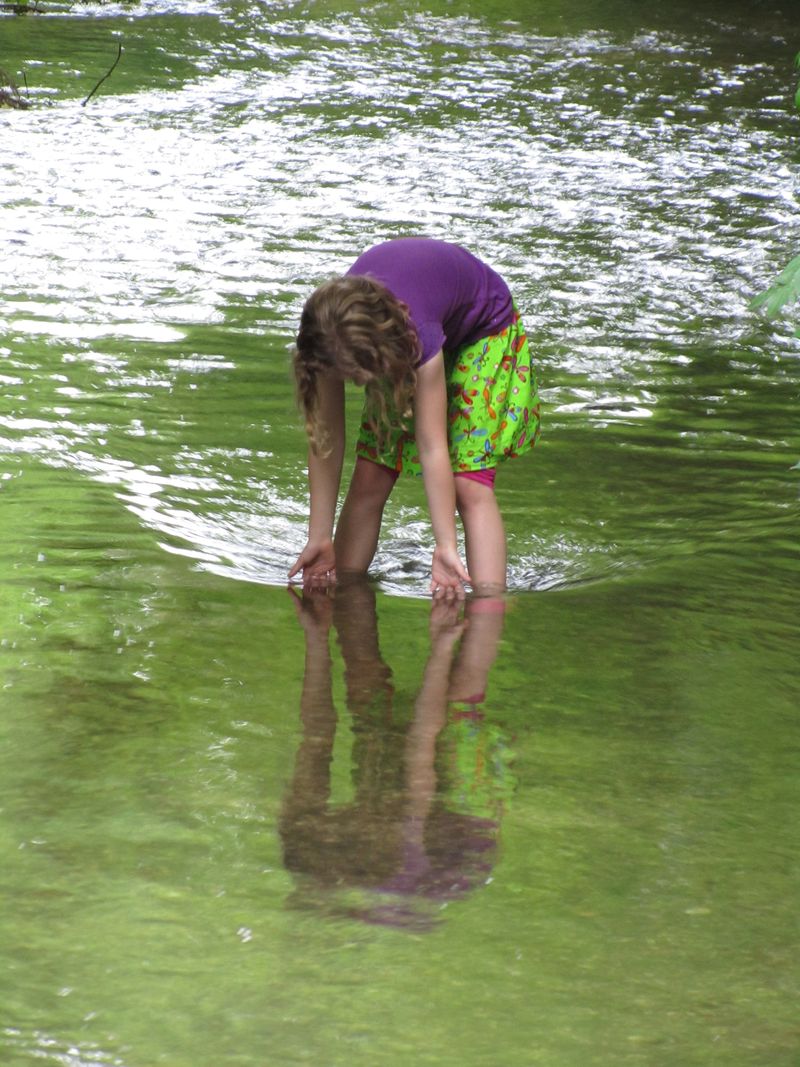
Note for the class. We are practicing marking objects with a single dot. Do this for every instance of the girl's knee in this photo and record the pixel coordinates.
(372, 481)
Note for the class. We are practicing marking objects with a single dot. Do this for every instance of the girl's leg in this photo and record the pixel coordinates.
(355, 617)
(360, 521)
(485, 617)
(484, 533)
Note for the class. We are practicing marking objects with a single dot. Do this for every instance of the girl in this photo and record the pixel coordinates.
(434, 337)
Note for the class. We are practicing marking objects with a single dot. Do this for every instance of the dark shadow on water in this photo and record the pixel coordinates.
(429, 782)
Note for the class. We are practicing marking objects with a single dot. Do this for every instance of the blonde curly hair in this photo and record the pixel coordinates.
(356, 328)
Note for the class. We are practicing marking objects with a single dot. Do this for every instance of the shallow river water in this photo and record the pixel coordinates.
(238, 828)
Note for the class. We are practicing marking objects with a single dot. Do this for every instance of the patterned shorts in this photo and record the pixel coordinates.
(493, 408)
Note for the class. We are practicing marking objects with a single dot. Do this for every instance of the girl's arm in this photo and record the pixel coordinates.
(430, 416)
(317, 560)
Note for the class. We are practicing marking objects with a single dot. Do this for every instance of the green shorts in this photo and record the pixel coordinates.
(493, 408)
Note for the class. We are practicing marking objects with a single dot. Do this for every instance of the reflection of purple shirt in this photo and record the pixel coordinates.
(453, 298)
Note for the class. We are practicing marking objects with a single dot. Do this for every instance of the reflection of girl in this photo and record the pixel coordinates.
(430, 332)
(474, 755)
(405, 839)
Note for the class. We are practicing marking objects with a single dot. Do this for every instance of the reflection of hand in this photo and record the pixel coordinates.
(446, 624)
(317, 561)
(448, 573)
(314, 609)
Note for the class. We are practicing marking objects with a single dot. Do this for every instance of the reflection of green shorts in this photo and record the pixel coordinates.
(478, 764)
(493, 407)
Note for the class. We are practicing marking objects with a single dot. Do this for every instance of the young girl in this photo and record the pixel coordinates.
(434, 337)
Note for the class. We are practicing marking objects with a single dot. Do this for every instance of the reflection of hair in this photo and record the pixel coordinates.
(354, 326)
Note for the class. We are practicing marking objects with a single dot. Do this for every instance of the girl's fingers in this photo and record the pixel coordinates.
(297, 600)
(447, 590)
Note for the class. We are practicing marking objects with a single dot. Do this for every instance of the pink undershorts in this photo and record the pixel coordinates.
(485, 476)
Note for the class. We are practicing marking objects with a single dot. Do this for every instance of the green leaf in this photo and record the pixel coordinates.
(783, 290)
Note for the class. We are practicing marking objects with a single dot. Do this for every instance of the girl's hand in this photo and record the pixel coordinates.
(446, 623)
(317, 561)
(448, 573)
(314, 610)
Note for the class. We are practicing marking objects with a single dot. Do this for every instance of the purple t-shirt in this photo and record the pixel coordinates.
(453, 298)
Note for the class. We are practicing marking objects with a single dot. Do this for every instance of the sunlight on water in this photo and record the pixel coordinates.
(149, 214)
(48, 1048)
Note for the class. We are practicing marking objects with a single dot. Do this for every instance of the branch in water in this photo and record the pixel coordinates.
(108, 75)
(9, 92)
